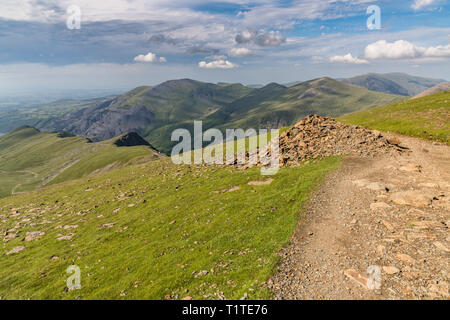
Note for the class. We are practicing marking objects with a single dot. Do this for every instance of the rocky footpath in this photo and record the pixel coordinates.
(377, 229)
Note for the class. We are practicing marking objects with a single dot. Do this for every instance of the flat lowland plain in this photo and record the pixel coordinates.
(154, 231)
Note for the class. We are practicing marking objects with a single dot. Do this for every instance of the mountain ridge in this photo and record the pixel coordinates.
(394, 83)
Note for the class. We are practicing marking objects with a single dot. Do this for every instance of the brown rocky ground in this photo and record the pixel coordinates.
(391, 212)
(317, 137)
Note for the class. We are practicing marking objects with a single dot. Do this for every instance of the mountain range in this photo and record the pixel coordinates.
(394, 83)
(155, 111)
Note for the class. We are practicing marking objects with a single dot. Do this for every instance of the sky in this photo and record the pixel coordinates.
(51, 45)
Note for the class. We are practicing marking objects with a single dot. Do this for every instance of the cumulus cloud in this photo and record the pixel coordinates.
(260, 38)
(419, 4)
(402, 49)
(348, 58)
(149, 57)
(241, 52)
(217, 64)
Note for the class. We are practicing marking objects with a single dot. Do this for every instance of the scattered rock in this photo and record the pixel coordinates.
(374, 186)
(405, 258)
(64, 237)
(390, 270)
(70, 227)
(34, 235)
(381, 250)
(230, 189)
(9, 236)
(201, 273)
(357, 277)
(411, 167)
(388, 226)
(412, 198)
(15, 250)
(106, 225)
(442, 204)
(260, 183)
(440, 246)
(379, 206)
(429, 185)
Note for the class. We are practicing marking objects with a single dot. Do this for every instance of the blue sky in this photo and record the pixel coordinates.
(125, 43)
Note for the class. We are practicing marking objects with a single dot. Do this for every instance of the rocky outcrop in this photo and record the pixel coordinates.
(104, 120)
(131, 139)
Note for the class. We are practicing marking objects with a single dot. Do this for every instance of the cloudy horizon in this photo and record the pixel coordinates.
(125, 44)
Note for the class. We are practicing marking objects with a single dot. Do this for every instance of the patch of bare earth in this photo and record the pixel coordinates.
(391, 212)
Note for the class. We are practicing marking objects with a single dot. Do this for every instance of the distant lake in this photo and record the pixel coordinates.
(1, 134)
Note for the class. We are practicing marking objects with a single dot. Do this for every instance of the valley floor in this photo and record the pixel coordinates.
(392, 213)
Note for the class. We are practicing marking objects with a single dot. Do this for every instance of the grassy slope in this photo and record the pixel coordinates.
(234, 236)
(325, 96)
(176, 104)
(29, 157)
(427, 117)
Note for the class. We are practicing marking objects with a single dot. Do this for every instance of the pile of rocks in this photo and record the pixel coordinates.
(316, 137)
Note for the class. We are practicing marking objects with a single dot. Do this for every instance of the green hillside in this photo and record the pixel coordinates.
(324, 97)
(427, 117)
(276, 106)
(30, 158)
(155, 112)
(149, 110)
(138, 233)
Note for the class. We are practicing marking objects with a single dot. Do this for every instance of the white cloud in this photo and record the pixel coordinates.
(402, 49)
(217, 64)
(149, 57)
(241, 52)
(438, 51)
(419, 4)
(348, 58)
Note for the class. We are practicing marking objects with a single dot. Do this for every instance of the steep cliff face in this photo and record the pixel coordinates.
(145, 109)
(103, 121)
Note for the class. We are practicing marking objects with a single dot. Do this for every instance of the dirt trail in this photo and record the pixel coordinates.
(392, 212)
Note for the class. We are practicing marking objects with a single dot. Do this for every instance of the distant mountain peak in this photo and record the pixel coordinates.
(272, 85)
